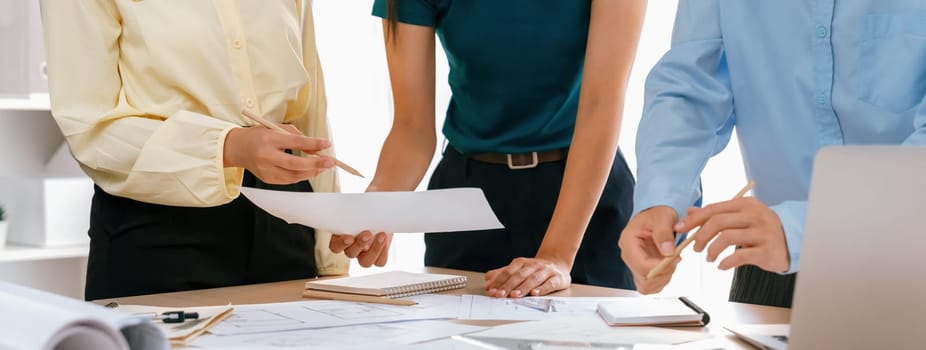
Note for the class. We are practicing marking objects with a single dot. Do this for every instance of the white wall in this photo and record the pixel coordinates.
(351, 47)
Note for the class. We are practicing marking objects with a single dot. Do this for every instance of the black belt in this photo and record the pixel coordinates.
(517, 161)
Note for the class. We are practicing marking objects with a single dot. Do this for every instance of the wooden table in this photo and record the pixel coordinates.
(721, 313)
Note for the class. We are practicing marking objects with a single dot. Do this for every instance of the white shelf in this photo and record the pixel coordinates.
(17, 253)
(35, 102)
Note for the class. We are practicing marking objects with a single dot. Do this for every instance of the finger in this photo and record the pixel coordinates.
(498, 276)
(302, 143)
(338, 243)
(663, 233)
(496, 287)
(361, 243)
(311, 145)
(697, 216)
(384, 256)
(639, 253)
(723, 241)
(518, 277)
(716, 224)
(743, 256)
(531, 285)
(490, 276)
(292, 129)
(302, 164)
(532, 281)
(552, 284)
(658, 282)
(369, 256)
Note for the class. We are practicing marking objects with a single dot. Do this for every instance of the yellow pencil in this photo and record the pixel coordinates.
(678, 250)
(317, 294)
(270, 125)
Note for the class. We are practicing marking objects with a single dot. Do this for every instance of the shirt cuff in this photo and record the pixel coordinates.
(793, 216)
(653, 195)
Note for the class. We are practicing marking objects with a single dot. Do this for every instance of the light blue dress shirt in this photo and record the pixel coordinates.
(791, 76)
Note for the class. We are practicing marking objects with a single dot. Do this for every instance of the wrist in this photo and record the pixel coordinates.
(563, 259)
(229, 154)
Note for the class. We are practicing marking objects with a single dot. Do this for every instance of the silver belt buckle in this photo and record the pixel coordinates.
(532, 164)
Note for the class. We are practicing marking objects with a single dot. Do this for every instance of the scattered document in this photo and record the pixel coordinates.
(180, 334)
(591, 331)
(33, 319)
(262, 318)
(448, 210)
(372, 336)
(478, 307)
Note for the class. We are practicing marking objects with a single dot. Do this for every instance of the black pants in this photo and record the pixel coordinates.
(524, 201)
(142, 248)
(753, 285)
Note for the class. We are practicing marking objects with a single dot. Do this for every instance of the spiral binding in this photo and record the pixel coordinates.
(424, 288)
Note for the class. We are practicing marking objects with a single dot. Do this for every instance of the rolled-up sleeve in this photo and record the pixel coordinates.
(174, 159)
(688, 112)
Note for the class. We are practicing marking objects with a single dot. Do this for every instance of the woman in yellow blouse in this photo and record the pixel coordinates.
(149, 95)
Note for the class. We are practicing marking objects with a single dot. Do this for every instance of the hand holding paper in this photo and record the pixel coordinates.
(369, 249)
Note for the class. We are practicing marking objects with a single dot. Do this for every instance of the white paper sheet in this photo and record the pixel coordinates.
(478, 307)
(372, 336)
(262, 318)
(588, 330)
(457, 209)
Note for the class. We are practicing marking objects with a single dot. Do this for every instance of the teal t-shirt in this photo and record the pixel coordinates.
(515, 69)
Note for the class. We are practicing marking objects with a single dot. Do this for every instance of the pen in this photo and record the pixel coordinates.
(541, 304)
(678, 251)
(171, 316)
(273, 126)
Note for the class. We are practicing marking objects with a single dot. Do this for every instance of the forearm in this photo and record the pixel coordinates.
(589, 163)
(405, 158)
(598, 122)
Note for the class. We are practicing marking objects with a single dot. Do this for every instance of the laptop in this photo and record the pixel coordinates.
(862, 283)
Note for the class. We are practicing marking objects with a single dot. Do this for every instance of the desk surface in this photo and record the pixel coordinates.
(721, 313)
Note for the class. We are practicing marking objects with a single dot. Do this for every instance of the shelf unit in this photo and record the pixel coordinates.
(34, 102)
(18, 253)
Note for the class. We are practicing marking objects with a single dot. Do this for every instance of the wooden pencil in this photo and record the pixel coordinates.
(318, 294)
(678, 250)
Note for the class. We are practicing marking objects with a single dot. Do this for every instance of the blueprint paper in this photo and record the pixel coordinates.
(370, 336)
(262, 318)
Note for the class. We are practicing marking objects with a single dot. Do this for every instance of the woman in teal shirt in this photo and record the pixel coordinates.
(516, 114)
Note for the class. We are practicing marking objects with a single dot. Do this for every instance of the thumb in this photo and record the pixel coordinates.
(663, 231)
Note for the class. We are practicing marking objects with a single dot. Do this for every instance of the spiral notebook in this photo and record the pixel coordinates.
(634, 311)
(391, 284)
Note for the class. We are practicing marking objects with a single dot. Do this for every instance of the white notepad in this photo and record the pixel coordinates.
(653, 311)
(391, 284)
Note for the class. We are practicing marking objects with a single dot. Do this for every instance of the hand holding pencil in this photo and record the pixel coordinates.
(678, 250)
(273, 126)
(648, 241)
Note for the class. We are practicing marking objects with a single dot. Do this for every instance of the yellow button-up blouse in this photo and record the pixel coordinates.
(146, 91)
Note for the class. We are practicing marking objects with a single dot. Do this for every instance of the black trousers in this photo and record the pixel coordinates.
(524, 201)
(753, 285)
(142, 248)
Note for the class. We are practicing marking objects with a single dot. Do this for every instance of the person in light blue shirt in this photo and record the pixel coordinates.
(791, 76)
